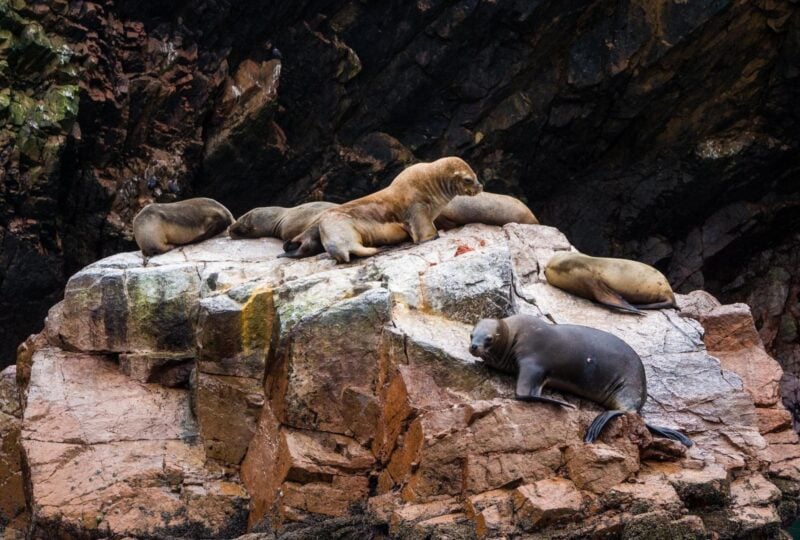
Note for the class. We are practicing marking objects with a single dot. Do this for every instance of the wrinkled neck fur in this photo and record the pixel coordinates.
(502, 350)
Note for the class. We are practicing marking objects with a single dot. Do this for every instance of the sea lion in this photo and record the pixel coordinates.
(160, 227)
(619, 283)
(578, 359)
(277, 221)
(406, 208)
(485, 207)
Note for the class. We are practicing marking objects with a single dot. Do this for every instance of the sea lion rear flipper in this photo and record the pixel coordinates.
(609, 297)
(657, 305)
(670, 434)
(530, 381)
(598, 424)
(291, 245)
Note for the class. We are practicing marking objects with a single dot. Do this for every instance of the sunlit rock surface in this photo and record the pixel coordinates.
(221, 389)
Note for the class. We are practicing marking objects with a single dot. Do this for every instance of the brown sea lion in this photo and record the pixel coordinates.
(160, 227)
(584, 361)
(485, 207)
(406, 208)
(619, 283)
(488, 208)
(277, 221)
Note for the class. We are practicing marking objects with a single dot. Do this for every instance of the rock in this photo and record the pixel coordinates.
(329, 398)
(731, 336)
(13, 511)
(698, 488)
(227, 409)
(103, 451)
(597, 467)
(412, 514)
(754, 490)
(546, 501)
(649, 494)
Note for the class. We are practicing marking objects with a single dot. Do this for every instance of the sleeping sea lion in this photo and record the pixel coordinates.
(160, 227)
(577, 359)
(406, 208)
(485, 207)
(277, 221)
(619, 283)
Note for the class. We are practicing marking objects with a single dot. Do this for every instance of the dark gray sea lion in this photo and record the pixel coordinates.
(405, 209)
(160, 227)
(577, 359)
(277, 221)
(619, 283)
(485, 207)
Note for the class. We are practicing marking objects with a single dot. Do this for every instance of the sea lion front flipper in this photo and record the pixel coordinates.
(530, 381)
(420, 226)
(598, 424)
(607, 296)
(670, 434)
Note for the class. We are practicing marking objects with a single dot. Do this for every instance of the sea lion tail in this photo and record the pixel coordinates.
(670, 434)
(598, 424)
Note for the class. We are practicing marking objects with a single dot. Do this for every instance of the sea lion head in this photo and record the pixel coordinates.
(465, 181)
(257, 222)
(484, 336)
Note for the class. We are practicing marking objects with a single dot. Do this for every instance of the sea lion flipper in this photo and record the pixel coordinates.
(598, 424)
(670, 434)
(657, 305)
(609, 297)
(531, 380)
(420, 227)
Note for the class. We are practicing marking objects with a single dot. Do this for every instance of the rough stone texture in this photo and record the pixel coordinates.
(13, 514)
(661, 130)
(341, 399)
(106, 455)
(547, 501)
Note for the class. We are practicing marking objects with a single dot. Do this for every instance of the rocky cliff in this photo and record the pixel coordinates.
(221, 390)
(662, 130)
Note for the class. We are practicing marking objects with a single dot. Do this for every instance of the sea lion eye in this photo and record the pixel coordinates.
(488, 340)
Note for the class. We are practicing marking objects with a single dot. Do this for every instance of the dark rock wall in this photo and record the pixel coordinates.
(662, 130)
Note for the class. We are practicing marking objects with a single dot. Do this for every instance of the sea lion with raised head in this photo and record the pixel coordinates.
(160, 227)
(488, 208)
(277, 221)
(584, 361)
(405, 209)
(618, 283)
(485, 207)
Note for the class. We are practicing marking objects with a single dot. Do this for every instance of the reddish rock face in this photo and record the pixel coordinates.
(327, 398)
(13, 515)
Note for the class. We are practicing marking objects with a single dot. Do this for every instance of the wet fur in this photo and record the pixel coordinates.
(584, 361)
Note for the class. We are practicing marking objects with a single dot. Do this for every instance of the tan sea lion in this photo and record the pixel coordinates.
(485, 207)
(277, 221)
(406, 208)
(577, 359)
(488, 208)
(619, 283)
(160, 227)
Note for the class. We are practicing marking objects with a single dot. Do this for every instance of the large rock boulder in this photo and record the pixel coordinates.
(230, 389)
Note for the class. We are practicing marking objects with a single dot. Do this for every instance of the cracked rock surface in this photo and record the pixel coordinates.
(235, 392)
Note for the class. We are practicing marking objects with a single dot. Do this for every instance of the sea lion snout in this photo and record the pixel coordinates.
(482, 338)
(241, 227)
